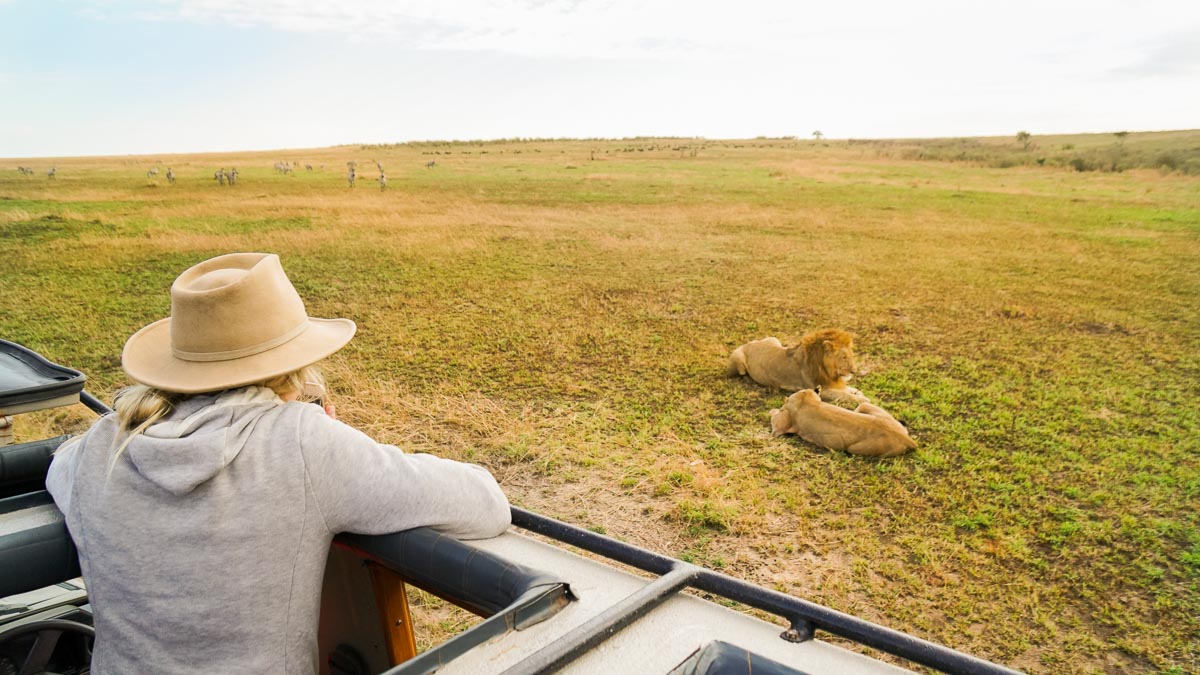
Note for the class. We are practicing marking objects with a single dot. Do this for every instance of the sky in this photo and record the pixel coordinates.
(117, 77)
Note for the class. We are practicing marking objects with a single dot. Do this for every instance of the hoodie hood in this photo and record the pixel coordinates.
(200, 437)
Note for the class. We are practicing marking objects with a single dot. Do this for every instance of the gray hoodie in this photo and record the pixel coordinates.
(204, 549)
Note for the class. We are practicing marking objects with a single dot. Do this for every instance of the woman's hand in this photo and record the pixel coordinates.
(331, 411)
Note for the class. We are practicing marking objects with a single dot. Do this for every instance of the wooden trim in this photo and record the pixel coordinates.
(391, 597)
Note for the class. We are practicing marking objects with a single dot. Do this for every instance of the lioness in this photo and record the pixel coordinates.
(866, 430)
(823, 358)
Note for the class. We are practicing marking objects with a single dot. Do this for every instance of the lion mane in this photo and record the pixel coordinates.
(823, 358)
(825, 353)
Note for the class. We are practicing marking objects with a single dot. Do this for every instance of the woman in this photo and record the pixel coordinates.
(204, 508)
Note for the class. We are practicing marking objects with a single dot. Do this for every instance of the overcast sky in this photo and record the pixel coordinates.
(158, 76)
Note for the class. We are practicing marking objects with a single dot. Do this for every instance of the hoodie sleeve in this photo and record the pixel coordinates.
(60, 477)
(369, 488)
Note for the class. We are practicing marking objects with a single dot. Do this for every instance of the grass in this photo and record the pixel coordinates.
(1165, 151)
(565, 321)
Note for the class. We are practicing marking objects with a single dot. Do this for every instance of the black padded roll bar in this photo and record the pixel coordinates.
(511, 595)
(473, 579)
(35, 548)
(23, 466)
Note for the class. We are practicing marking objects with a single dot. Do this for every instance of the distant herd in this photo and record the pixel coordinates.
(229, 177)
(28, 171)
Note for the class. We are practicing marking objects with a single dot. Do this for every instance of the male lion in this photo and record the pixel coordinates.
(866, 430)
(823, 358)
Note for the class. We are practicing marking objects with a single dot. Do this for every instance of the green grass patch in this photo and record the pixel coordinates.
(1037, 328)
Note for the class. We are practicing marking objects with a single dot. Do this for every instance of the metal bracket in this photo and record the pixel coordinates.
(801, 631)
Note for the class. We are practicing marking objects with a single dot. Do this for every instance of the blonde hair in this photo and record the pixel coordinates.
(305, 383)
(139, 406)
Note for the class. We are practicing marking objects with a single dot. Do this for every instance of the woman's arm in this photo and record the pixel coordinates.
(60, 477)
(370, 488)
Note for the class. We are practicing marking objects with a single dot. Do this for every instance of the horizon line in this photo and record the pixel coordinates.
(566, 139)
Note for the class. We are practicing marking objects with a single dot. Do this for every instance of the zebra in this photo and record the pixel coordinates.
(350, 176)
(220, 176)
(430, 164)
(152, 172)
(382, 180)
(170, 175)
(231, 177)
(308, 168)
(52, 172)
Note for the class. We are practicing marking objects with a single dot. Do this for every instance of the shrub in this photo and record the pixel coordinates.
(1167, 161)
(1130, 151)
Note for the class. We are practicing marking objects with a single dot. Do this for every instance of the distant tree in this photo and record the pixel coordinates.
(817, 135)
(1119, 153)
(1024, 137)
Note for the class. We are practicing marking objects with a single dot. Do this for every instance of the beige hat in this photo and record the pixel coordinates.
(235, 320)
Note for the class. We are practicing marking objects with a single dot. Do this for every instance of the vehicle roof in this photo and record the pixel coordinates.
(655, 643)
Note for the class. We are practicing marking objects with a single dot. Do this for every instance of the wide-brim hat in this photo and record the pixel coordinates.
(235, 319)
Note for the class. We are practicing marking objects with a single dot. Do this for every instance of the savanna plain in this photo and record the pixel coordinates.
(561, 311)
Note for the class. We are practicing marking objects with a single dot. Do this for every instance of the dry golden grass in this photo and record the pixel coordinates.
(565, 321)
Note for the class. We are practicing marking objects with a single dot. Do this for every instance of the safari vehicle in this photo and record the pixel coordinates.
(543, 607)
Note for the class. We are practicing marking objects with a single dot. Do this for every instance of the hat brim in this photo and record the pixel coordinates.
(148, 358)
